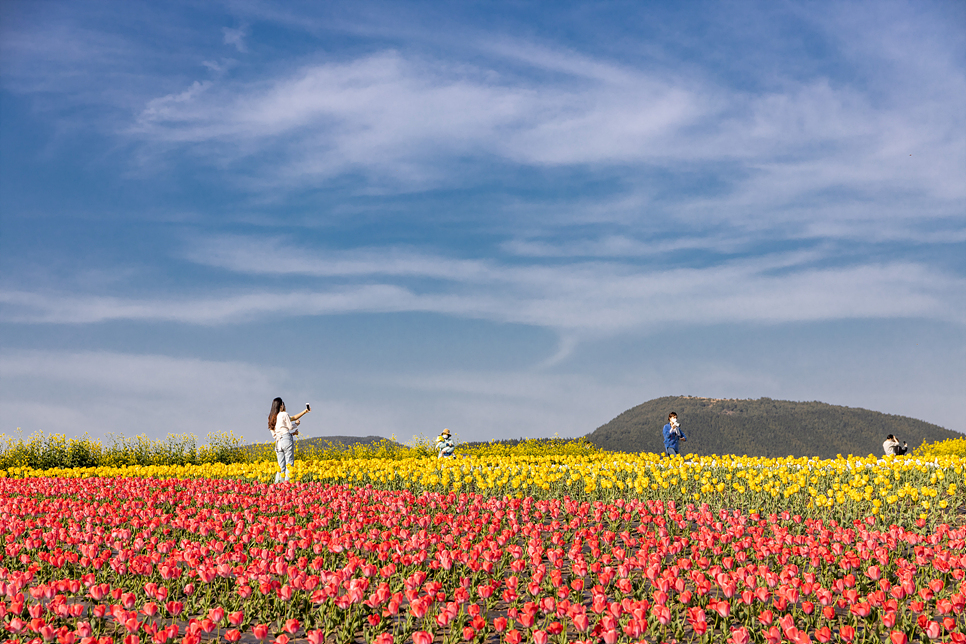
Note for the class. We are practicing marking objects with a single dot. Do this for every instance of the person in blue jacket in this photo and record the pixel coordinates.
(672, 435)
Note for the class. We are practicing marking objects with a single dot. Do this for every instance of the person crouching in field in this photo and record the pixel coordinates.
(891, 446)
(445, 445)
(672, 435)
(283, 428)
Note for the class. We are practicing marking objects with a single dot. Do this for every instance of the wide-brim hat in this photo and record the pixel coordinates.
(445, 432)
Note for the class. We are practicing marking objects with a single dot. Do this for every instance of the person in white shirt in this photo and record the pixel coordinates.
(891, 446)
(284, 430)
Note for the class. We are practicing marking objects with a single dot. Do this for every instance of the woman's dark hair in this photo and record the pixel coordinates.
(671, 414)
(277, 406)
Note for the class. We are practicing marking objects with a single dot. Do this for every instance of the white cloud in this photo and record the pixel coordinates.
(235, 37)
(620, 246)
(814, 151)
(585, 298)
(35, 307)
(104, 392)
(807, 149)
(390, 111)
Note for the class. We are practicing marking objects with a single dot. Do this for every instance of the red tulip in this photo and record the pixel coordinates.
(898, 637)
(233, 635)
(862, 609)
(662, 614)
(739, 635)
(933, 630)
(772, 635)
(422, 637)
(260, 631)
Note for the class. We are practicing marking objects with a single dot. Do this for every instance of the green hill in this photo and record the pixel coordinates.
(762, 427)
(319, 442)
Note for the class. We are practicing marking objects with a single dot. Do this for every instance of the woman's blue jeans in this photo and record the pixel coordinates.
(285, 453)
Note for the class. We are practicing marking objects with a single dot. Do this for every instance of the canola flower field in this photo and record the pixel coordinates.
(542, 542)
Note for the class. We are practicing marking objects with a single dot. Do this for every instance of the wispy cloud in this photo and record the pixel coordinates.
(402, 120)
(236, 37)
(588, 298)
(801, 148)
(100, 392)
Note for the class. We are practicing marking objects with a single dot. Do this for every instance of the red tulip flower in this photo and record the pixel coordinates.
(739, 635)
(662, 614)
(422, 637)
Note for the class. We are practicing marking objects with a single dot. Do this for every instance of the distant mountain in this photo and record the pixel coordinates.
(762, 427)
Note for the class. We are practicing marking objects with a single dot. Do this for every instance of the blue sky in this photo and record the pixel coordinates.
(509, 219)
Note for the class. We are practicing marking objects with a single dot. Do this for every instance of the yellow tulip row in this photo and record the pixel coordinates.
(843, 489)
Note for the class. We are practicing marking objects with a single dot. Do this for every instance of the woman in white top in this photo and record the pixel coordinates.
(283, 428)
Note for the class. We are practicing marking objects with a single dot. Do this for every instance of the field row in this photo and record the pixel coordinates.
(155, 560)
(889, 490)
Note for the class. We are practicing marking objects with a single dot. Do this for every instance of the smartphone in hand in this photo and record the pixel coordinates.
(308, 407)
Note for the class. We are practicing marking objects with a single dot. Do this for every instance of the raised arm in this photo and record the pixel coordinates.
(300, 414)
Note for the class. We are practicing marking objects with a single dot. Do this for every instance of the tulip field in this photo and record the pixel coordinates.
(512, 548)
